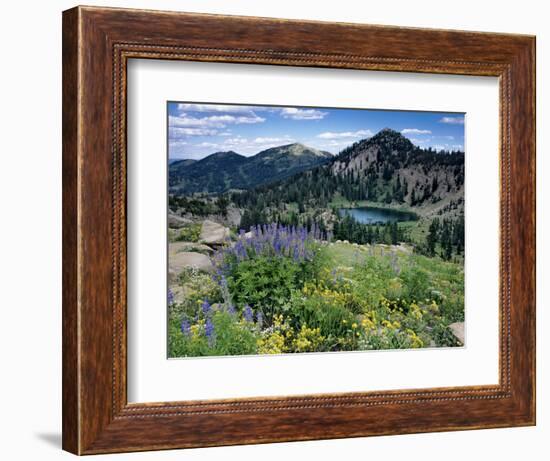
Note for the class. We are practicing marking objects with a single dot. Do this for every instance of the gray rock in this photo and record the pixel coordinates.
(213, 233)
(178, 247)
(234, 216)
(172, 276)
(179, 261)
(458, 330)
(177, 222)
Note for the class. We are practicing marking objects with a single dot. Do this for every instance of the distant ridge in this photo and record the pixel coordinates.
(181, 162)
(222, 171)
(386, 168)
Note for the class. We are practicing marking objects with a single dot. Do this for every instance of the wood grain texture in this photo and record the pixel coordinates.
(97, 43)
(70, 384)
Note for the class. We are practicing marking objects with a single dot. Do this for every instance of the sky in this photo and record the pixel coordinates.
(198, 130)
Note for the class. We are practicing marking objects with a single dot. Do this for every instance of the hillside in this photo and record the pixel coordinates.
(388, 168)
(385, 169)
(179, 163)
(223, 171)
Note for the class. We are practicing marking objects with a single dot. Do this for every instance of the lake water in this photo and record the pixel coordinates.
(369, 215)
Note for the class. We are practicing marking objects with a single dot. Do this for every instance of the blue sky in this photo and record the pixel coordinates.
(198, 130)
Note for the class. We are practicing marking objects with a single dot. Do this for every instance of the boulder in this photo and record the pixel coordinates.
(177, 222)
(172, 276)
(233, 217)
(458, 330)
(213, 233)
(178, 247)
(179, 261)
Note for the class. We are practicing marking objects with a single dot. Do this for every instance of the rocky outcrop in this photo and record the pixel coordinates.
(178, 247)
(177, 222)
(458, 330)
(213, 233)
(187, 259)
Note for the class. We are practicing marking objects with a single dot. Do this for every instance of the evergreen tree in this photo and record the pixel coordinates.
(432, 236)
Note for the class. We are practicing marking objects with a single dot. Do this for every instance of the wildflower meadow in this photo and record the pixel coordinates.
(291, 289)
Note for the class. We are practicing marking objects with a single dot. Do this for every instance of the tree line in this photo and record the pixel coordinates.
(445, 238)
(348, 228)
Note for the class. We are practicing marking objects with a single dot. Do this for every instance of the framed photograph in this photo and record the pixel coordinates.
(281, 230)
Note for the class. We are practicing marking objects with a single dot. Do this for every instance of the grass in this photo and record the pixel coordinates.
(288, 291)
(417, 230)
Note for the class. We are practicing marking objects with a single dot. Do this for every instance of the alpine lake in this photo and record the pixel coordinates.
(373, 215)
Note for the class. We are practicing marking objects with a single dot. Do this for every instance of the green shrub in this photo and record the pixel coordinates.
(189, 233)
(221, 333)
(197, 286)
(264, 283)
(416, 283)
(331, 317)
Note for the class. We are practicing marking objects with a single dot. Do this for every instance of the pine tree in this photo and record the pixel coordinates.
(431, 238)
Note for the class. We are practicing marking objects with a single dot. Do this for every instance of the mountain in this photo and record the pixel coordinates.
(386, 169)
(181, 162)
(223, 171)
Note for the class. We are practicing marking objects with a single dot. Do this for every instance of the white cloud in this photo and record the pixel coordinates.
(345, 134)
(302, 114)
(186, 121)
(235, 109)
(176, 132)
(261, 140)
(331, 145)
(235, 141)
(418, 141)
(453, 120)
(207, 144)
(176, 143)
(213, 121)
(415, 131)
(240, 144)
(185, 125)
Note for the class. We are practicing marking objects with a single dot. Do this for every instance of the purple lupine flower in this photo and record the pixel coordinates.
(296, 253)
(248, 314)
(271, 240)
(171, 299)
(231, 309)
(277, 247)
(260, 319)
(185, 327)
(206, 308)
(209, 331)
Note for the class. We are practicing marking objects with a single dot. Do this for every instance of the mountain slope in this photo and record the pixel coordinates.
(386, 169)
(389, 168)
(179, 163)
(222, 171)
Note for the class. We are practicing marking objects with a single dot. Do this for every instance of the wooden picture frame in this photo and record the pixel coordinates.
(97, 43)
